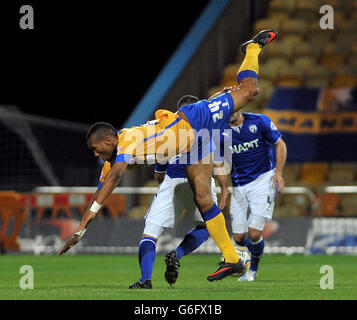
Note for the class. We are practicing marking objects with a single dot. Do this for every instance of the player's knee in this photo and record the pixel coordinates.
(239, 238)
(255, 235)
(253, 91)
(252, 87)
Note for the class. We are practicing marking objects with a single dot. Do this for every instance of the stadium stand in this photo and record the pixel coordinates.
(307, 56)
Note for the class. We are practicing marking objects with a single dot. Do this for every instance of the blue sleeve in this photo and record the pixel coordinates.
(100, 185)
(161, 167)
(123, 157)
(270, 131)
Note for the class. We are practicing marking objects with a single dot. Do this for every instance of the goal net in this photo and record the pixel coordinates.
(36, 151)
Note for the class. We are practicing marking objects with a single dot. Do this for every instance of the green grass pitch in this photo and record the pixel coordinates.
(97, 277)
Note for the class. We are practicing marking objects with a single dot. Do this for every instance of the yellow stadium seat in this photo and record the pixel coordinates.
(340, 176)
(279, 16)
(348, 166)
(280, 49)
(294, 39)
(344, 80)
(332, 60)
(229, 74)
(353, 49)
(312, 15)
(267, 23)
(304, 63)
(290, 173)
(317, 82)
(297, 26)
(308, 5)
(313, 173)
(348, 26)
(270, 69)
(336, 48)
(291, 82)
(339, 5)
(305, 48)
(346, 39)
(290, 76)
(282, 5)
(319, 38)
(319, 71)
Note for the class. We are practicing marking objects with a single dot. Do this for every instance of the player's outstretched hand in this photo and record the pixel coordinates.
(70, 243)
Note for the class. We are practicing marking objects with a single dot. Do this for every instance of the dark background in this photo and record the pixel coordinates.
(88, 61)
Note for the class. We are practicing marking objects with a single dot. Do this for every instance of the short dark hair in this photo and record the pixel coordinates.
(187, 99)
(100, 130)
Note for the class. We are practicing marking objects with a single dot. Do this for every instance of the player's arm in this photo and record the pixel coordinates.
(79, 232)
(111, 181)
(281, 152)
(222, 178)
(160, 172)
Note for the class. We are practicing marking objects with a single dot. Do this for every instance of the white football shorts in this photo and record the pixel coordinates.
(172, 200)
(256, 198)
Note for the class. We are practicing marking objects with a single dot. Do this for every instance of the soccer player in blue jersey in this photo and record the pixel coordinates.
(119, 151)
(173, 197)
(256, 179)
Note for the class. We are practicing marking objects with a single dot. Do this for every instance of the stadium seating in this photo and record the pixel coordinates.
(292, 205)
(348, 205)
(313, 173)
(145, 200)
(307, 56)
(287, 6)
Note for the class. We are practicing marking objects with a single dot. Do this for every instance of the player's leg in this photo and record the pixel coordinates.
(255, 245)
(239, 216)
(247, 74)
(194, 238)
(159, 216)
(199, 176)
(261, 197)
(147, 255)
(199, 234)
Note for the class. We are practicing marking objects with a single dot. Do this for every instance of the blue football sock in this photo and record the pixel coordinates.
(147, 254)
(192, 240)
(256, 250)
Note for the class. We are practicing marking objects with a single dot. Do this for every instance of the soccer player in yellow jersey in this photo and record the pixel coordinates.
(170, 134)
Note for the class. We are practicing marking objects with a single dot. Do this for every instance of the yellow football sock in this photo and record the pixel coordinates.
(250, 66)
(218, 231)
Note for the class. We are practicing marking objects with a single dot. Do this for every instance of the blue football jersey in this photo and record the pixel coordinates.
(252, 148)
(210, 114)
(172, 168)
